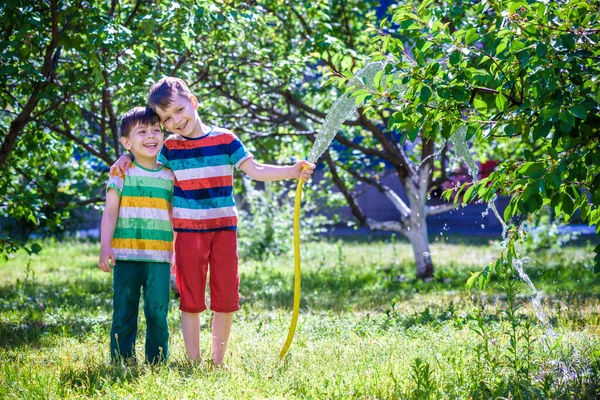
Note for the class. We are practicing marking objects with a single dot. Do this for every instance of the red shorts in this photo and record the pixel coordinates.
(198, 253)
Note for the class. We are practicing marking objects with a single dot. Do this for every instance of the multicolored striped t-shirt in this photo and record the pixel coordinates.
(143, 231)
(203, 197)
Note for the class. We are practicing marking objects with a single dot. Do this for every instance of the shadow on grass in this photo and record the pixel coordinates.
(31, 333)
(34, 311)
(90, 379)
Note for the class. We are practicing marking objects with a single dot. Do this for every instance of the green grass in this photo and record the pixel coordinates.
(367, 329)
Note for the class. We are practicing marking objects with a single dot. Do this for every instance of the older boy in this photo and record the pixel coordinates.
(137, 239)
(204, 212)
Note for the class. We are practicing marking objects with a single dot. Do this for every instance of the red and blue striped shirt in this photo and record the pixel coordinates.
(203, 167)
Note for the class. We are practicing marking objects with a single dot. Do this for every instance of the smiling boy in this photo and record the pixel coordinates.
(137, 239)
(204, 214)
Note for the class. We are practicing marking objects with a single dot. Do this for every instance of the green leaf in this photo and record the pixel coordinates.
(532, 169)
(386, 42)
(584, 209)
(509, 211)
(455, 58)
(377, 79)
(472, 280)
(424, 5)
(471, 36)
(501, 102)
(579, 111)
(469, 193)
(541, 50)
(35, 248)
(425, 94)
(502, 46)
(480, 105)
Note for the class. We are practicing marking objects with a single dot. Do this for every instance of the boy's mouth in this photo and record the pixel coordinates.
(150, 145)
(182, 126)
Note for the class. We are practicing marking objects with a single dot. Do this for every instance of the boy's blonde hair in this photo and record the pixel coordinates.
(138, 115)
(161, 92)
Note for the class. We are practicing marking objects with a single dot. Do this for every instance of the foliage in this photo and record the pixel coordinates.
(259, 69)
(517, 75)
(543, 232)
(265, 226)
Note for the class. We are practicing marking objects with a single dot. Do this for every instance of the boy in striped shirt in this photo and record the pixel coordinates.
(137, 239)
(204, 213)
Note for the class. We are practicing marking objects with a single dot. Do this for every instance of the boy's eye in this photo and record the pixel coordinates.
(180, 109)
(166, 120)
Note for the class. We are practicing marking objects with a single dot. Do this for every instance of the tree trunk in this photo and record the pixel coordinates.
(420, 244)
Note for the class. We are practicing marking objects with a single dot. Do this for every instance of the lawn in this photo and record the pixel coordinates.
(367, 328)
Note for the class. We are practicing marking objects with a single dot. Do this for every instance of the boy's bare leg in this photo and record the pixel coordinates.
(221, 328)
(190, 327)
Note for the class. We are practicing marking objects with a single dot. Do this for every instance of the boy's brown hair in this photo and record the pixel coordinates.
(138, 115)
(160, 93)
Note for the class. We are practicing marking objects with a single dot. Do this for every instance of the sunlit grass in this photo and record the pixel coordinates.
(364, 321)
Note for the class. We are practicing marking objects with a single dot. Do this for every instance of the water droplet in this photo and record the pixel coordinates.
(482, 226)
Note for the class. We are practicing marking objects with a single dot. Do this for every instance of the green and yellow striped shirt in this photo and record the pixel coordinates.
(143, 231)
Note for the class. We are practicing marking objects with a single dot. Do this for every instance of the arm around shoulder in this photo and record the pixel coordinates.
(121, 165)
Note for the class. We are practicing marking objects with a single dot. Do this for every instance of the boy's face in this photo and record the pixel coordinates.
(181, 116)
(144, 141)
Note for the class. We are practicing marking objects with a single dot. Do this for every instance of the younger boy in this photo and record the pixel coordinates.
(137, 239)
(204, 212)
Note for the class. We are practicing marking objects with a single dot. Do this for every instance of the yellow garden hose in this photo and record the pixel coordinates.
(296, 309)
(340, 111)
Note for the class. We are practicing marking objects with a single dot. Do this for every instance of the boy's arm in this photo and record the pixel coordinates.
(107, 230)
(267, 172)
(122, 164)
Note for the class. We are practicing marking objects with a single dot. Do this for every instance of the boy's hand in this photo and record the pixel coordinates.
(302, 172)
(122, 165)
(107, 259)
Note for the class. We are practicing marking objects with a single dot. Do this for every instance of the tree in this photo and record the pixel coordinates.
(257, 67)
(275, 89)
(68, 76)
(511, 73)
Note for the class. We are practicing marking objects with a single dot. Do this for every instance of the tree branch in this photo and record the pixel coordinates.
(133, 12)
(49, 66)
(442, 208)
(67, 134)
(383, 189)
(354, 207)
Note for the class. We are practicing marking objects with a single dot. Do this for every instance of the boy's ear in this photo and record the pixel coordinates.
(125, 142)
(194, 101)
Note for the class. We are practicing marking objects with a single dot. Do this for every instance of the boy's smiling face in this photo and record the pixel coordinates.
(144, 141)
(180, 116)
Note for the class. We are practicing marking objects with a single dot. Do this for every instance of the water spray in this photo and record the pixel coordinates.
(340, 111)
(461, 148)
